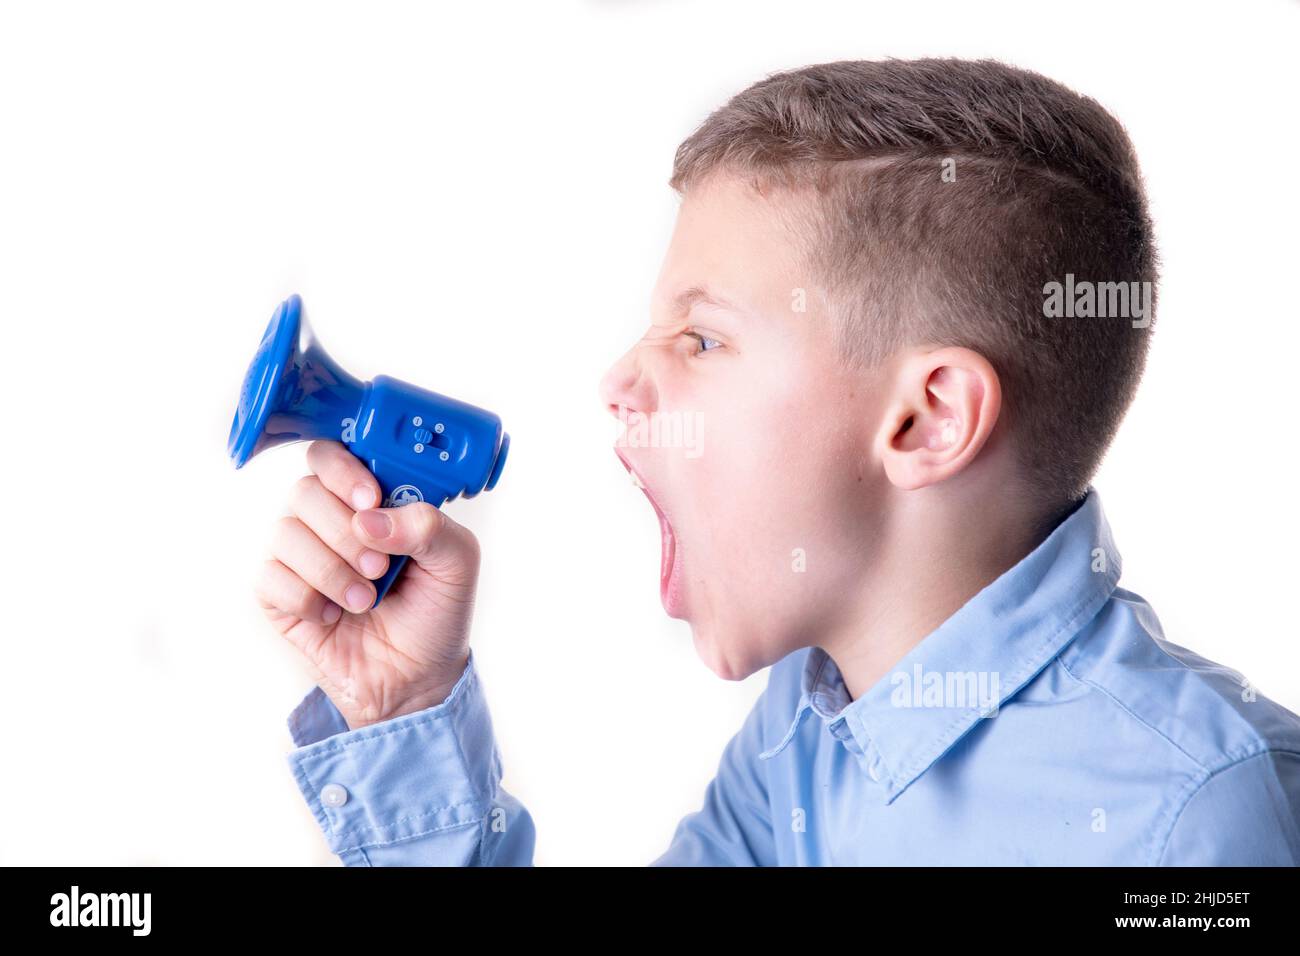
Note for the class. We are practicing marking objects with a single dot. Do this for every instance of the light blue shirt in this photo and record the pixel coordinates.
(1048, 721)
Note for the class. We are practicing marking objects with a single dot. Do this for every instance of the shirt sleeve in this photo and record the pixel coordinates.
(734, 825)
(1245, 815)
(422, 789)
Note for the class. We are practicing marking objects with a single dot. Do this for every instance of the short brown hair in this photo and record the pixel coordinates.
(1046, 184)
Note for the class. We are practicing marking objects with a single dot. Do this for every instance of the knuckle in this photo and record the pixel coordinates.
(264, 580)
(321, 451)
(286, 528)
(427, 519)
(302, 491)
(303, 596)
(473, 549)
(339, 470)
(327, 459)
(336, 574)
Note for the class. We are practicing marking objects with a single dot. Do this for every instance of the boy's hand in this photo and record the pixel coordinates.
(404, 655)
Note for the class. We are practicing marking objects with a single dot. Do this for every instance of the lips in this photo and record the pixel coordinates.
(669, 590)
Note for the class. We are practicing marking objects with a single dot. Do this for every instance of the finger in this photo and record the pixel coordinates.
(343, 473)
(433, 540)
(298, 548)
(331, 520)
(280, 590)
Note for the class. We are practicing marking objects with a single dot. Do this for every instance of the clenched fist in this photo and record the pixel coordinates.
(316, 589)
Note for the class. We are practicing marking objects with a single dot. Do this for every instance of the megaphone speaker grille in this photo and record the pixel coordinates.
(262, 380)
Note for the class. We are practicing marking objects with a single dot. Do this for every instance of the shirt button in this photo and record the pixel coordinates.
(333, 795)
(875, 772)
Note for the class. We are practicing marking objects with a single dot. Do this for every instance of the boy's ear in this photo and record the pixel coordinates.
(945, 405)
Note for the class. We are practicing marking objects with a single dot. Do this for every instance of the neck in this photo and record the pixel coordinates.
(936, 556)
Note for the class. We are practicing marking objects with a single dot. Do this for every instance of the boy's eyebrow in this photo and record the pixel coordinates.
(696, 293)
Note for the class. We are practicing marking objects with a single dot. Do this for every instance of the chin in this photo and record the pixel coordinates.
(734, 667)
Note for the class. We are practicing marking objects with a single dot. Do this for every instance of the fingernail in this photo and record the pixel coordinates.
(332, 613)
(357, 597)
(362, 497)
(372, 563)
(376, 523)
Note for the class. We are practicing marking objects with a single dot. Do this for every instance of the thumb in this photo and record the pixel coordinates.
(434, 541)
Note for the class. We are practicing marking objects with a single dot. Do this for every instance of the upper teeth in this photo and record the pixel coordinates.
(635, 480)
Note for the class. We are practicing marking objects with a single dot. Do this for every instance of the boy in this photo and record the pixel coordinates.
(863, 299)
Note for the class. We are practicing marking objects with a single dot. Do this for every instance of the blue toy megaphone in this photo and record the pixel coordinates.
(421, 446)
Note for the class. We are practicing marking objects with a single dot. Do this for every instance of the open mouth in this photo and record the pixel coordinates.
(668, 576)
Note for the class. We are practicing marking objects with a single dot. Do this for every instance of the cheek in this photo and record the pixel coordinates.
(782, 475)
(776, 462)
(755, 500)
(783, 448)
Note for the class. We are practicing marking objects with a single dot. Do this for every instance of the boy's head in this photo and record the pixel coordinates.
(857, 322)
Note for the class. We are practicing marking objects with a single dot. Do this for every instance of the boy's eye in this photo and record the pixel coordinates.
(706, 344)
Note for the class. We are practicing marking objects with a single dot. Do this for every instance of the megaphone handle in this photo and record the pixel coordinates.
(399, 486)
(395, 564)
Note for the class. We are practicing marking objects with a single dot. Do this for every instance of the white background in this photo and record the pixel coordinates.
(473, 197)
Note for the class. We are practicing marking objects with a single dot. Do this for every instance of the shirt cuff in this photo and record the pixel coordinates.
(402, 778)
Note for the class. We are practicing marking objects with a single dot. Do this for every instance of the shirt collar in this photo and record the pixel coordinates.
(966, 668)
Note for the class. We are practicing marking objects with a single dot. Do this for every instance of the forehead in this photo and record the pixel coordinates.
(732, 241)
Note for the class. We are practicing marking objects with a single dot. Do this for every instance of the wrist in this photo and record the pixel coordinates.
(429, 694)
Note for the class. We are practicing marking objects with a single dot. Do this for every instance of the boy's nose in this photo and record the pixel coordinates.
(627, 385)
